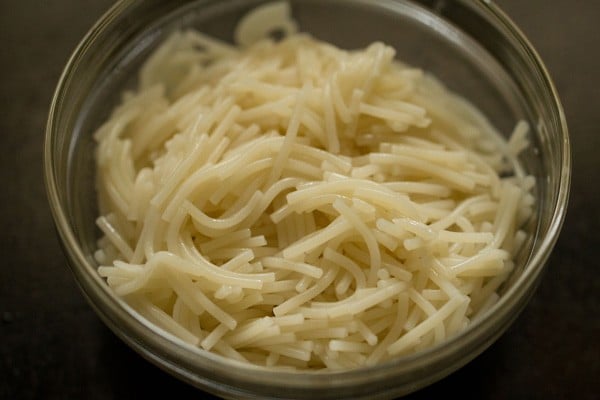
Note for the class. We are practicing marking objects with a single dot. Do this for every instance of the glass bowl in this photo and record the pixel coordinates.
(472, 46)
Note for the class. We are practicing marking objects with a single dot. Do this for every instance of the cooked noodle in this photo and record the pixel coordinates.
(292, 204)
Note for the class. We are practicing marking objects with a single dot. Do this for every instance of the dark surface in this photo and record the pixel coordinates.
(53, 346)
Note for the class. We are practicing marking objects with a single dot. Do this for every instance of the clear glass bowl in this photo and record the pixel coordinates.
(471, 45)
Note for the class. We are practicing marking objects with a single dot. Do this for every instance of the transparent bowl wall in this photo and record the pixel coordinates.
(471, 45)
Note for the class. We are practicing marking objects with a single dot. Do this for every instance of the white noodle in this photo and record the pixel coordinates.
(298, 206)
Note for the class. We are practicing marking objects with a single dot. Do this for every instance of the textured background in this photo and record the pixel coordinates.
(53, 346)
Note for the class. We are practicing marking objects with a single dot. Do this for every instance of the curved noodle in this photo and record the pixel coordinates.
(291, 204)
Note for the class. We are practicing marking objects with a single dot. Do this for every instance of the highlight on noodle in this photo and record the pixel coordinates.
(291, 204)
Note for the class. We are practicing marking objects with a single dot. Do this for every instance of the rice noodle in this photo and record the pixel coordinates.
(294, 205)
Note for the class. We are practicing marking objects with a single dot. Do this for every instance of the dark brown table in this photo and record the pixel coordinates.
(52, 345)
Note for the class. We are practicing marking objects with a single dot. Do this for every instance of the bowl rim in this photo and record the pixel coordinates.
(114, 311)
